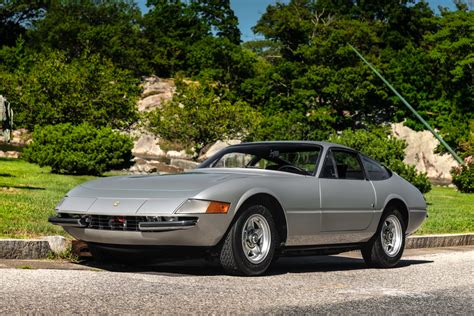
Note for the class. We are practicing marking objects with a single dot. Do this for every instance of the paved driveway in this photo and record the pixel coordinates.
(428, 281)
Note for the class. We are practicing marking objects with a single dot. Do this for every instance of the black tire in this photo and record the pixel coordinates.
(232, 256)
(374, 253)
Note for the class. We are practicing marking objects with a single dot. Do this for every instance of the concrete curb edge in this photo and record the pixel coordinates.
(437, 241)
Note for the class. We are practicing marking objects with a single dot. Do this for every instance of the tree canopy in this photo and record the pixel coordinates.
(301, 78)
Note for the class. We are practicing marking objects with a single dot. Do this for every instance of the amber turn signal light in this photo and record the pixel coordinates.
(217, 208)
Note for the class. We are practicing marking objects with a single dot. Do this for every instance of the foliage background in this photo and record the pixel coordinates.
(81, 62)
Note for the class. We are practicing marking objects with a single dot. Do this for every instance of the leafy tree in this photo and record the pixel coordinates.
(110, 28)
(16, 16)
(437, 77)
(218, 59)
(80, 149)
(219, 17)
(200, 115)
(170, 27)
(177, 29)
(89, 89)
(263, 48)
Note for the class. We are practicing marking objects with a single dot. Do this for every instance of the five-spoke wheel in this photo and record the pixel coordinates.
(256, 238)
(385, 249)
(249, 246)
(391, 235)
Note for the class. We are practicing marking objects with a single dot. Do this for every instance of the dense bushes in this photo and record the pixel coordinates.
(200, 115)
(80, 149)
(463, 176)
(380, 145)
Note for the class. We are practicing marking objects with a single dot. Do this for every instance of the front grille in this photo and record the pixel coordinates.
(123, 223)
(120, 223)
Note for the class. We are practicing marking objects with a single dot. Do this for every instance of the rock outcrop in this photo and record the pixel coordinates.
(155, 92)
(146, 145)
(9, 154)
(420, 153)
(214, 148)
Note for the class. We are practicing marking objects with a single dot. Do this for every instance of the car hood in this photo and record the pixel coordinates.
(175, 184)
(127, 195)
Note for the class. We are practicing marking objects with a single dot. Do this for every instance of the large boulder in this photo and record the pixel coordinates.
(144, 166)
(184, 164)
(155, 92)
(146, 145)
(420, 152)
(214, 148)
(58, 244)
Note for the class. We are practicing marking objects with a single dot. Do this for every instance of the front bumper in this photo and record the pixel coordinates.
(204, 230)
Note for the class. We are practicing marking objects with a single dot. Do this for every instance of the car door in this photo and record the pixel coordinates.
(347, 197)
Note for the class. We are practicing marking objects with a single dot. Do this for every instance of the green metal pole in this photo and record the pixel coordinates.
(441, 140)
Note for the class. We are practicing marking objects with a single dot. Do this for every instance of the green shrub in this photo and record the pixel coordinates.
(80, 149)
(463, 176)
(200, 115)
(382, 146)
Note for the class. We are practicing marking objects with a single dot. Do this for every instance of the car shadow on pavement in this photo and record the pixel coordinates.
(201, 267)
(328, 264)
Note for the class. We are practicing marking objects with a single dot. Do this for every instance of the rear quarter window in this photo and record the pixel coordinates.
(375, 171)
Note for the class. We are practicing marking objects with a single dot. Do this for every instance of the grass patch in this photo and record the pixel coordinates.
(25, 267)
(28, 195)
(449, 212)
(67, 254)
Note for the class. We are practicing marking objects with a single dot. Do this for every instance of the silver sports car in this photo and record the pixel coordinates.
(249, 204)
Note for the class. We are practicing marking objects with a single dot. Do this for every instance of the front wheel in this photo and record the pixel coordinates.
(385, 249)
(249, 246)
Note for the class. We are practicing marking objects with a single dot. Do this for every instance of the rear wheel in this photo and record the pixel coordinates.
(249, 246)
(385, 249)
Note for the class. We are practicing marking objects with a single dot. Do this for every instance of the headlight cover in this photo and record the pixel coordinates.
(192, 206)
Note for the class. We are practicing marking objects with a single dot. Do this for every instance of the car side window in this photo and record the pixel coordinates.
(329, 170)
(375, 171)
(348, 165)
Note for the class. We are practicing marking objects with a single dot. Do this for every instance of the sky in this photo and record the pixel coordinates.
(249, 11)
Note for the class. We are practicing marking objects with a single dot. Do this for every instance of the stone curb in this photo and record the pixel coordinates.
(437, 241)
(32, 248)
(41, 248)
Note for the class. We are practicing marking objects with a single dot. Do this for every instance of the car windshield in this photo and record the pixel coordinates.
(294, 158)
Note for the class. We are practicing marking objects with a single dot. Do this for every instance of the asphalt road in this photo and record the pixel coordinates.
(430, 281)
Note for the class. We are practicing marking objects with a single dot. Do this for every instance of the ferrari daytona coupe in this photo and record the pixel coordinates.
(249, 204)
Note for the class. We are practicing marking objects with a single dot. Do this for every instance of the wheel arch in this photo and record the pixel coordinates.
(401, 205)
(271, 202)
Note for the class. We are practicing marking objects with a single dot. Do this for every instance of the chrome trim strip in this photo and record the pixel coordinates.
(69, 222)
(166, 226)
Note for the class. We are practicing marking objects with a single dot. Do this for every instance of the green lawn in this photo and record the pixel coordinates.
(29, 193)
(449, 212)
